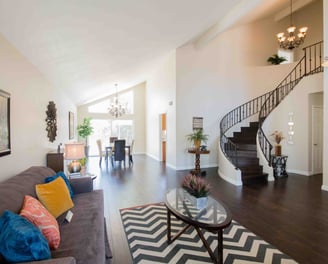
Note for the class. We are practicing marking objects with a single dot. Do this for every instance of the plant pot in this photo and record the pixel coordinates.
(199, 203)
(277, 150)
(197, 144)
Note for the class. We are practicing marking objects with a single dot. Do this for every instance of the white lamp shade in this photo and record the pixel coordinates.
(74, 151)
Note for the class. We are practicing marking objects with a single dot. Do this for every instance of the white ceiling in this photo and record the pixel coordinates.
(85, 46)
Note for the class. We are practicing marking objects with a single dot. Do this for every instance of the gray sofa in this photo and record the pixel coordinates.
(84, 239)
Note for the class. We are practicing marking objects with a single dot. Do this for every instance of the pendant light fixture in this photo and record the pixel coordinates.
(292, 40)
(116, 109)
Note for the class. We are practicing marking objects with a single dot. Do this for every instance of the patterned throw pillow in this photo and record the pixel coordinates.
(38, 215)
(20, 240)
(54, 196)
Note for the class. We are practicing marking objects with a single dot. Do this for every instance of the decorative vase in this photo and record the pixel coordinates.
(277, 150)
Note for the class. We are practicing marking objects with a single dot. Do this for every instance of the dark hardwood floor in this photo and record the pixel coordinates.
(291, 213)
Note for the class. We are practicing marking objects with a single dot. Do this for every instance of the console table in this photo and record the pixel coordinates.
(197, 152)
(279, 166)
(55, 161)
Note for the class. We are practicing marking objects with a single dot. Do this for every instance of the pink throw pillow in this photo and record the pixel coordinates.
(37, 214)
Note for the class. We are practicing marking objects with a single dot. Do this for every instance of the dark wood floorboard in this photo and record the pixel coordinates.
(291, 214)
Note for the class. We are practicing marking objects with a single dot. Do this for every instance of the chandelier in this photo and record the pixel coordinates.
(292, 40)
(116, 109)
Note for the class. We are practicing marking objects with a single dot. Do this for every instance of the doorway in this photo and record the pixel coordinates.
(317, 139)
(163, 136)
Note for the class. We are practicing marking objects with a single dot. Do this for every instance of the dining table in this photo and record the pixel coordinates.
(110, 148)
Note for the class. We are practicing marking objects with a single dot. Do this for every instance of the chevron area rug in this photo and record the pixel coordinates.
(146, 232)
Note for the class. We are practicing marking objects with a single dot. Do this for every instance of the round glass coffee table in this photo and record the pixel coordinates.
(214, 217)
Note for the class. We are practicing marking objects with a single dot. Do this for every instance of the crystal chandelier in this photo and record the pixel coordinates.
(116, 109)
(292, 40)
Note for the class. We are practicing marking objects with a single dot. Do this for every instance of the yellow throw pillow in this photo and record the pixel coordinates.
(54, 196)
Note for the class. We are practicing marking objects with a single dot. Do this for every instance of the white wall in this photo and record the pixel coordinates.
(30, 95)
(161, 90)
(214, 79)
(298, 102)
(325, 115)
(230, 70)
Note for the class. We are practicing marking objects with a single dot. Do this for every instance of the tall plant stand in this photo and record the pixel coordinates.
(197, 152)
(279, 166)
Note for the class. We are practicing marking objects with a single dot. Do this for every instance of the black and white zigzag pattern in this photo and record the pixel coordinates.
(146, 231)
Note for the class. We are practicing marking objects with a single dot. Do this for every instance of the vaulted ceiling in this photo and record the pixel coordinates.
(85, 46)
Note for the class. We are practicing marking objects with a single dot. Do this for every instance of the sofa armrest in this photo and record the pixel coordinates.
(81, 185)
(64, 260)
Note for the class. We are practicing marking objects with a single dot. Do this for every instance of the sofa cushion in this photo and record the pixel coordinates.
(15, 188)
(55, 196)
(85, 231)
(61, 174)
(38, 215)
(20, 240)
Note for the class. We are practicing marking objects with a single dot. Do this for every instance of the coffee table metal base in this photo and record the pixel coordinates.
(171, 239)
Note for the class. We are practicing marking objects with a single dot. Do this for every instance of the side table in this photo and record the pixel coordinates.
(197, 171)
(80, 175)
(279, 166)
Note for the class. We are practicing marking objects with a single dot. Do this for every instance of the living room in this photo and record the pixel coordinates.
(190, 76)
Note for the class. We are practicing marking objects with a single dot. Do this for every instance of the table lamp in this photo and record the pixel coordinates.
(74, 152)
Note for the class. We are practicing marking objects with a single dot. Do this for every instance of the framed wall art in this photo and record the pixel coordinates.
(71, 124)
(197, 123)
(5, 148)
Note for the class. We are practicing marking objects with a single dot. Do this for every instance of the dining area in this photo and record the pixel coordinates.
(116, 152)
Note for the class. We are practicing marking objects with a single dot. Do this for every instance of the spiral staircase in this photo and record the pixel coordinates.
(239, 144)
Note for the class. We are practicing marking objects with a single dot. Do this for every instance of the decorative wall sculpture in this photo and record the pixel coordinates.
(51, 121)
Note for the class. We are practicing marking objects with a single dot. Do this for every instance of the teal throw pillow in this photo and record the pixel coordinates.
(20, 240)
(61, 174)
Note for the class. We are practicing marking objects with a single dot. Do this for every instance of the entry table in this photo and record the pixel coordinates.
(197, 171)
(279, 166)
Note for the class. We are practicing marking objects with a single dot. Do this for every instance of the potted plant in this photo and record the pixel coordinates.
(197, 137)
(277, 137)
(275, 59)
(84, 130)
(198, 188)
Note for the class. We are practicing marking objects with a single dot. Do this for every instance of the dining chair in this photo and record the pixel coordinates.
(129, 153)
(119, 151)
(101, 152)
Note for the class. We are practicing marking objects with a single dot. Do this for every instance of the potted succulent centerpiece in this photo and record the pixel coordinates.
(197, 188)
(84, 130)
(197, 137)
(277, 136)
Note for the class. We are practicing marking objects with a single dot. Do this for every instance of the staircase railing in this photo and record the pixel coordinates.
(309, 64)
(234, 117)
(264, 104)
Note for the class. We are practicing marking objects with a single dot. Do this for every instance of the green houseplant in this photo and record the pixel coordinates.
(84, 130)
(197, 137)
(275, 59)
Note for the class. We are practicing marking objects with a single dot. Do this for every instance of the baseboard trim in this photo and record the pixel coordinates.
(228, 179)
(324, 188)
(305, 173)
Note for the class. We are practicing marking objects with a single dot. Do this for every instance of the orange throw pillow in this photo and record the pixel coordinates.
(38, 215)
